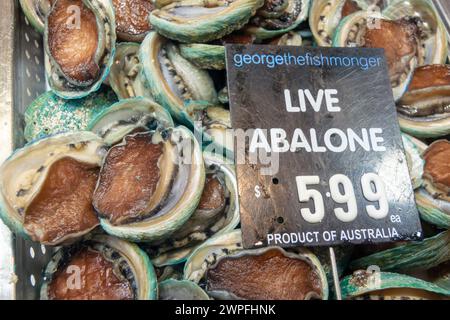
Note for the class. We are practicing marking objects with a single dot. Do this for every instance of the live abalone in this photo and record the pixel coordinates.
(229, 272)
(46, 188)
(101, 268)
(79, 41)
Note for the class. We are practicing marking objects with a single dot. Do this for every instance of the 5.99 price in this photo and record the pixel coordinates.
(342, 192)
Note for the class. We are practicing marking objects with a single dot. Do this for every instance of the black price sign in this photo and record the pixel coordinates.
(318, 150)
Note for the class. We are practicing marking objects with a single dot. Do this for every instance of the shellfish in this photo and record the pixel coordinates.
(413, 151)
(325, 16)
(101, 268)
(432, 32)
(424, 110)
(389, 286)
(186, 91)
(201, 21)
(277, 17)
(171, 79)
(410, 256)
(228, 271)
(128, 116)
(433, 199)
(79, 41)
(35, 11)
(402, 58)
(50, 114)
(204, 56)
(217, 213)
(148, 185)
(288, 39)
(46, 188)
(132, 19)
(124, 75)
(181, 290)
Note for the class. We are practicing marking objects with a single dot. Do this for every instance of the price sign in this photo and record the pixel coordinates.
(318, 150)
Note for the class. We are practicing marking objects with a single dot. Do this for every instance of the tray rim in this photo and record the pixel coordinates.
(7, 27)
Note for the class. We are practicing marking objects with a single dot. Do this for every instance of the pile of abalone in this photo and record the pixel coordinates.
(120, 176)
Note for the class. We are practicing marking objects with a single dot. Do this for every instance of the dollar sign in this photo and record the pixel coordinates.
(257, 191)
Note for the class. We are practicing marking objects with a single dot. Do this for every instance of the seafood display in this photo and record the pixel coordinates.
(128, 172)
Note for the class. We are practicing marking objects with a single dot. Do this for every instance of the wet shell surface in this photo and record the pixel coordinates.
(127, 116)
(46, 188)
(277, 17)
(35, 11)
(198, 21)
(325, 15)
(433, 199)
(204, 56)
(364, 285)
(399, 38)
(124, 75)
(424, 110)
(108, 269)
(50, 114)
(229, 272)
(132, 19)
(148, 186)
(79, 42)
(217, 213)
(214, 122)
(181, 290)
(413, 151)
(431, 28)
(173, 80)
(419, 255)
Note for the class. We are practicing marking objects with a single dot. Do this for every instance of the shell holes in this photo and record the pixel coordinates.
(32, 280)
(275, 181)
(280, 220)
(32, 254)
